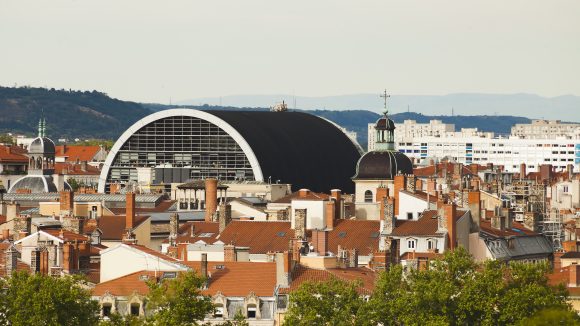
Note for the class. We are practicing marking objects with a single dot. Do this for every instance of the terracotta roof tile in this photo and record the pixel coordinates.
(260, 236)
(126, 285)
(66, 235)
(163, 206)
(425, 225)
(76, 153)
(204, 231)
(517, 229)
(75, 169)
(303, 274)
(355, 234)
(151, 252)
(12, 154)
(113, 227)
(428, 171)
(296, 196)
(238, 279)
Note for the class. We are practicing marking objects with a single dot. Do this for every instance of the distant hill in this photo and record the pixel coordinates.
(96, 115)
(565, 107)
(68, 113)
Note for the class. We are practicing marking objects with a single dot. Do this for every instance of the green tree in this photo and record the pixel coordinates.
(33, 299)
(550, 317)
(6, 139)
(334, 302)
(179, 301)
(457, 291)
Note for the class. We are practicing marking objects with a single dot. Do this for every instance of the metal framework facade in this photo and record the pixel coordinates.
(198, 146)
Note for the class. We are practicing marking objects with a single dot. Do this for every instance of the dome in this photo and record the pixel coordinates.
(37, 184)
(381, 165)
(41, 145)
(384, 123)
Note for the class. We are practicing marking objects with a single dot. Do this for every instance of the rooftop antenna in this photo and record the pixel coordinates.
(385, 96)
(452, 111)
(408, 109)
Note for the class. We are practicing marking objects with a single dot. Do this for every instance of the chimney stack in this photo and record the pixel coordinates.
(474, 204)
(574, 276)
(204, 273)
(283, 268)
(130, 211)
(302, 193)
(523, 171)
(336, 194)
(450, 212)
(225, 216)
(320, 239)
(210, 198)
(399, 184)
(411, 183)
(66, 202)
(431, 186)
(382, 193)
(389, 217)
(300, 223)
(173, 228)
(11, 259)
(330, 214)
(229, 253)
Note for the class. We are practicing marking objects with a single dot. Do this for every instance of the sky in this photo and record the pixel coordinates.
(162, 51)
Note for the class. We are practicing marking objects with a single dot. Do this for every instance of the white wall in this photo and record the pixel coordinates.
(314, 213)
(421, 243)
(410, 204)
(239, 209)
(123, 260)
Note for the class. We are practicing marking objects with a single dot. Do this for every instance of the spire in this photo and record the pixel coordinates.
(40, 127)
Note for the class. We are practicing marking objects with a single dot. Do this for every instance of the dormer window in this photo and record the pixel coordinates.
(411, 243)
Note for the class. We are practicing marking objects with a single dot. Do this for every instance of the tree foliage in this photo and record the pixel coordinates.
(453, 291)
(334, 302)
(179, 301)
(34, 299)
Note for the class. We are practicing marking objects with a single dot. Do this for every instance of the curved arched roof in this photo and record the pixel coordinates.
(298, 148)
(293, 147)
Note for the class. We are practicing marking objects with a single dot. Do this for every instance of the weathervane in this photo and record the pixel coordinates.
(385, 96)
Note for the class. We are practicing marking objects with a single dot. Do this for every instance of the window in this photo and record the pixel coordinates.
(107, 309)
(368, 196)
(219, 311)
(135, 309)
(409, 216)
(251, 311)
(431, 244)
(411, 244)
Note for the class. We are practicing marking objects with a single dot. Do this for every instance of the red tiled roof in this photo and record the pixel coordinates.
(260, 236)
(185, 235)
(355, 234)
(430, 170)
(66, 235)
(518, 229)
(296, 196)
(162, 207)
(234, 279)
(76, 153)
(12, 154)
(113, 227)
(303, 274)
(125, 285)
(75, 169)
(424, 226)
(238, 279)
(421, 195)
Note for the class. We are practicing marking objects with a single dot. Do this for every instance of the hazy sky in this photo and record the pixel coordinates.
(156, 50)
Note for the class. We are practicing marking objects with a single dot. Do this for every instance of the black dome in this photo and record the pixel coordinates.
(383, 165)
(42, 145)
(384, 123)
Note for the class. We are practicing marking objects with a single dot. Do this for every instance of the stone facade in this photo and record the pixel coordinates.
(300, 223)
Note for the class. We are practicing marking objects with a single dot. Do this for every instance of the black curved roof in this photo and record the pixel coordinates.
(385, 123)
(297, 148)
(383, 165)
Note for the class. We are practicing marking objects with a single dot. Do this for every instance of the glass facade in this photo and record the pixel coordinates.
(180, 148)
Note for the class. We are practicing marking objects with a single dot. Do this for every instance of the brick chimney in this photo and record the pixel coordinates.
(389, 217)
(411, 183)
(450, 212)
(130, 211)
(300, 223)
(203, 271)
(574, 276)
(399, 184)
(546, 172)
(474, 204)
(66, 202)
(114, 188)
(570, 170)
(11, 259)
(330, 214)
(320, 240)
(474, 168)
(284, 266)
(173, 228)
(382, 193)
(225, 216)
(210, 198)
(523, 171)
(336, 195)
(229, 253)
(431, 186)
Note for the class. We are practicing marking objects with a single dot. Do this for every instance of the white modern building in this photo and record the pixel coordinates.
(509, 152)
(547, 129)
